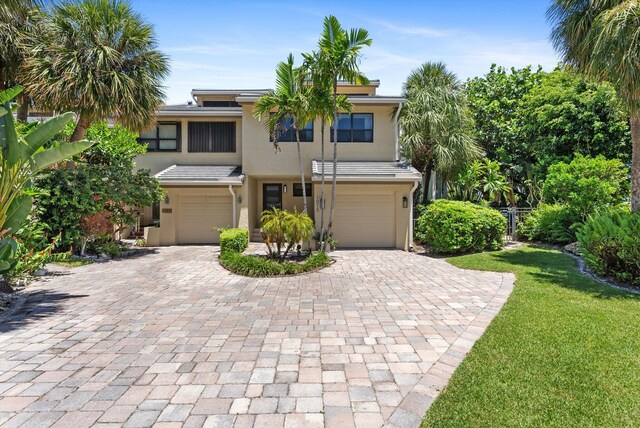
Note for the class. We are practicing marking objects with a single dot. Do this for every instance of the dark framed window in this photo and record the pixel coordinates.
(165, 137)
(297, 189)
(289, 135)
(155, 211)
(220, 104)
(354, 128)
(212, 137)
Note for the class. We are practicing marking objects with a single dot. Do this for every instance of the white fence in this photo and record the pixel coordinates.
(514, 216)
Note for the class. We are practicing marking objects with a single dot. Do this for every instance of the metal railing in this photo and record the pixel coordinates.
(514, 216)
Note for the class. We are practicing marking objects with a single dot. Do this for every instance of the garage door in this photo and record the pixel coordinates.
(198, 214)
(365, 220)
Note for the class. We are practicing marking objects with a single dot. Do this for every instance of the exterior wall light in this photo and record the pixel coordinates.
(239, 199)
(405, 202)
(284, 188)
(167, 200)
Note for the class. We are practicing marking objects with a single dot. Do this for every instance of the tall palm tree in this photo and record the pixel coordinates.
(600, 38)
(288, 102)
(437, 129)
(338, 58)
(99, 59)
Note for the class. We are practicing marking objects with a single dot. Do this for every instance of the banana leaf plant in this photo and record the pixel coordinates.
(21, 158)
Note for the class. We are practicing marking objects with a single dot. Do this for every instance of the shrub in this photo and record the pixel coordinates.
(586, 184)
(234, 240)
(256, 266)
(555, 224)
(456, 227)
(282, 230)
(609, 244)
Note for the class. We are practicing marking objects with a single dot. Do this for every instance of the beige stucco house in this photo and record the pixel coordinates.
(219, 169)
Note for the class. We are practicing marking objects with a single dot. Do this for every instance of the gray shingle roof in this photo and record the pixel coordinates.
(223, 174)
(362, 170)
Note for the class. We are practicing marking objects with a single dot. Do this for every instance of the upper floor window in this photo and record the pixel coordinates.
(289, 134)
(213, 137)
(215, 103)
(164, 137)
(354, 128)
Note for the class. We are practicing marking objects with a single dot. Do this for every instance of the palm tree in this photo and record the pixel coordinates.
(437, 129)
(600, 38)
(338, 58)
(289, 101)
(97, 58)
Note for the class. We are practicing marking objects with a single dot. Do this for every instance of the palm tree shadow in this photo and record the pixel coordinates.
(560, 271)
(37, 305)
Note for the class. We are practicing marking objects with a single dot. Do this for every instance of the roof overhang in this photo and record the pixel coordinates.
(201, 175)
(355, 99)
(202, 112)
(368, 171)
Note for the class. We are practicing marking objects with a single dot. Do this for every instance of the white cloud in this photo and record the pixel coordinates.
(411, 31)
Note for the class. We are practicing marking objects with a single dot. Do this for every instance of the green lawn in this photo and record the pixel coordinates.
(73, 262)
(563, 352)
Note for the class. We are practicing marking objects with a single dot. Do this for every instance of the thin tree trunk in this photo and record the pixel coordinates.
(322, 187)
(334, 178)
(304, 191)
(635, 162)
(23, 110)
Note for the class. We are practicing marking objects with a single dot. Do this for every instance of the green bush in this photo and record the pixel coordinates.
(610, 244)
(555, 224)
(457, 227)
(256, 266)
(586, 184)
(234, 240)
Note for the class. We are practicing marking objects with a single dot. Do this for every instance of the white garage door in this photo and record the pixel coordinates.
(365, 220)
(198, 214)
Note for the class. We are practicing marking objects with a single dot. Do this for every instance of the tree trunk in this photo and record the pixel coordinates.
(304, 191)
(78, 134)
(322, 186)
(334, 177)
(81, 128)
(23, 110)
(635, 162)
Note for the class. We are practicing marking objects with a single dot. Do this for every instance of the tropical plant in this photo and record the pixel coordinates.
(106, 179)
(21, 158)
(94, 227)
(437, 129)
(234, 240)
(97, 58)
(288, 102)
(337, 58)
(586, 184)
(282, 230)
(600, 38)
(480, 180)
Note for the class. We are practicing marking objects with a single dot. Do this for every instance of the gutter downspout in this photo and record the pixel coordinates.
(413, 189)
(397, 131)
(235, 201)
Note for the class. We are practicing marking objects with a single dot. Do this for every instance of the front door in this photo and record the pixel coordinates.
(271, 196)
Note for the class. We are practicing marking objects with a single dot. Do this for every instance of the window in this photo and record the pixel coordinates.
(297, 189)
(289, 135)
(165, 137)
(212, 137)
(220, 104)
(355, 128)
(155, 212)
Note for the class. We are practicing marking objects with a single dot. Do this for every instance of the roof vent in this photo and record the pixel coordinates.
(189, 103)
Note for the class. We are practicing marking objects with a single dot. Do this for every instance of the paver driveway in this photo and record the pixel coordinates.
(172, 338)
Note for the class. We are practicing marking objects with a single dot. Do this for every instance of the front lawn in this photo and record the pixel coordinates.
(564, 351)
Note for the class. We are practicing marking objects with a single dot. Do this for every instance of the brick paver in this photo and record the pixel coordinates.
(172, 339)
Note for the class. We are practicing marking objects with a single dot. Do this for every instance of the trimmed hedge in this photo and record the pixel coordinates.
(256, 266)
(610, 244)
(234, 240)
(555, 224)
(458, 227)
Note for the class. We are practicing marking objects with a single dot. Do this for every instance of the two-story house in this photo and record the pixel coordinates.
(219, 169)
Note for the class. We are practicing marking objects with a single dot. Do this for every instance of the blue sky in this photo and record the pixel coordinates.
(237, 44)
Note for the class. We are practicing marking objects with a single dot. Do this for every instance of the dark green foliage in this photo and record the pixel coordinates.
(256, 266)
(480, 181)
(586, 184)
(458, 227)
(610, 244)
(555, 224)
(105, 180)
(234, 240)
